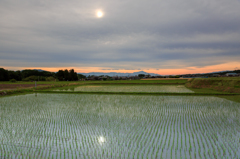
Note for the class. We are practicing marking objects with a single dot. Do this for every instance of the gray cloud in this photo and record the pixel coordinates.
(132, 34)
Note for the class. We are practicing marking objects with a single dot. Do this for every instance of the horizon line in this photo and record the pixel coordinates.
(123, 71)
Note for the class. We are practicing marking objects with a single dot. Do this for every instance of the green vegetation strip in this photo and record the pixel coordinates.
(136, 93)
(134, 83)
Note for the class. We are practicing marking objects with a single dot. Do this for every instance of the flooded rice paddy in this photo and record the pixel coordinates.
(118, 126)
(129, 88)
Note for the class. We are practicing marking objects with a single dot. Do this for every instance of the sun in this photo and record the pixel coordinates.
(99, 14)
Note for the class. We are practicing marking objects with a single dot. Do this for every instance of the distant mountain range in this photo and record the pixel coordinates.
(132, 74)
(118, 74)
(221, 71)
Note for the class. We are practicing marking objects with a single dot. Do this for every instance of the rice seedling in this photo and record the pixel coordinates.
(118, 126)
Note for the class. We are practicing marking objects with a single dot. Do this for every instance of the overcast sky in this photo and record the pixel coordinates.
(159, 36)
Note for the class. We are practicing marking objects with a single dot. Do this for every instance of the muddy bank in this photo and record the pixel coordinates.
(17, 86)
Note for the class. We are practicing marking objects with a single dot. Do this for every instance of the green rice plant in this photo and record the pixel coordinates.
(62, 125)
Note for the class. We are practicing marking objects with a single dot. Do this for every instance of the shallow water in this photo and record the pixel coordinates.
(118, 126)
(128, 88)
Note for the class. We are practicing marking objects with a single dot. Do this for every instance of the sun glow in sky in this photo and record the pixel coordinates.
(189, 70)
(99, 14)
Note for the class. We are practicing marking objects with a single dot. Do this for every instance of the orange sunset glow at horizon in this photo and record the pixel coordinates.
(187, 70)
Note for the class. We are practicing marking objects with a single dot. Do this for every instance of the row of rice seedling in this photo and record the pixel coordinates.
(128, 88)
(118, 126)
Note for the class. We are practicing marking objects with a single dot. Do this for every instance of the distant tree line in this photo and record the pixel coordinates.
(65, 75)
(36, 75)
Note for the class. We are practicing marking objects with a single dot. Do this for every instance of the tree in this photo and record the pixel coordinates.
(236, 71)
(141, 75)
(66, 75)
(12, 75)
(4, 75)
(72, 75)
(80, 76)
(60, 75)
(148, 76)
(31, 78)
(26, 73)
(19, 75)
(50, 79)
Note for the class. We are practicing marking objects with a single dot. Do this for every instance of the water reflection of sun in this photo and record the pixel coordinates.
(101, 139)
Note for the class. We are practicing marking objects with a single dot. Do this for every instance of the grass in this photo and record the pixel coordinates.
(227, 85)
(235, 98)
(205, 90)
(223, 78)
(230, 82)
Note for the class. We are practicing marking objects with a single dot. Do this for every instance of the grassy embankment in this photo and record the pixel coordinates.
(230, 85)
(227, 85)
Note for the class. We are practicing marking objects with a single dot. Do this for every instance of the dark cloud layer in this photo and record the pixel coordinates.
(132, 34)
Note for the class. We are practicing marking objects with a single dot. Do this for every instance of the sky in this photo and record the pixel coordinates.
(157, 36)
